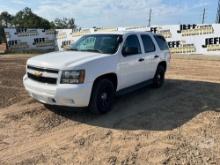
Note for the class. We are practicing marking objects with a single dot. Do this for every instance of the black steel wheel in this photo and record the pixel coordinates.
(102, 97)
(159, 77)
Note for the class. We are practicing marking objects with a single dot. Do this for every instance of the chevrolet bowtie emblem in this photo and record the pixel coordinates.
(38, 74)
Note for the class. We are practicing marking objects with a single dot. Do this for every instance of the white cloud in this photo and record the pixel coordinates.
(8, 9)
(20, 2)
(117, 12)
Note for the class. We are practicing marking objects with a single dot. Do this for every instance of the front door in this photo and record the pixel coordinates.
(151, 56)
(130, 67)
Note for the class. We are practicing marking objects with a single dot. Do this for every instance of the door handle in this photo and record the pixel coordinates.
(141, 60)
(156, 56)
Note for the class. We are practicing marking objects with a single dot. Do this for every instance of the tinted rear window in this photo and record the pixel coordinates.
(148, 44)
(161, 42)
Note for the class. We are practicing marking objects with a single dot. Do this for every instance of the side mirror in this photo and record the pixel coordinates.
(129, 51)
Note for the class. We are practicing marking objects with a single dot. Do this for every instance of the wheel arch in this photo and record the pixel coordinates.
(164, 64)
(110, 76)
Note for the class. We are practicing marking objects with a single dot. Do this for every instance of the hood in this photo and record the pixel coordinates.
(60, 60)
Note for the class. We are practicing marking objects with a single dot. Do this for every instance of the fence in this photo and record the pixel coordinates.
(182, 39)
(30, 39)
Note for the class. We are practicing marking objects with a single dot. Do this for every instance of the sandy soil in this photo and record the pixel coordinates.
(177, 124)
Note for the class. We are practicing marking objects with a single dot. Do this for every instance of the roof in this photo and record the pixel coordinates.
(122, 32)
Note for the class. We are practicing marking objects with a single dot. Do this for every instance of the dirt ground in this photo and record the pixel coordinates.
(177, 124)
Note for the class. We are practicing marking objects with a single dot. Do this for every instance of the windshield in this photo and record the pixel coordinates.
(100, 43)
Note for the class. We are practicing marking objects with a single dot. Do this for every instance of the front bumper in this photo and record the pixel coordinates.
(61, 94)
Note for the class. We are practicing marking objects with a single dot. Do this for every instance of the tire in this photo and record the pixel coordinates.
(159, 77)
(102, 97)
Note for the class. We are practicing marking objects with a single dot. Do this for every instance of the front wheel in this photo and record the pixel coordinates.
(102, 97)
(159, 77)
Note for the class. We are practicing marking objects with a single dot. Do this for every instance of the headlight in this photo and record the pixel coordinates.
(73, 77)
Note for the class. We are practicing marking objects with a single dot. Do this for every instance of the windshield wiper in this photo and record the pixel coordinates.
(73, 49)
(92, 50)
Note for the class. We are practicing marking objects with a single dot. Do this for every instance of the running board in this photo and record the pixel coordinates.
(134, 88)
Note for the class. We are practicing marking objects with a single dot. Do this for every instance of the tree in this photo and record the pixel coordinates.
(64, 23)
(27, 19)
(71, 23)
(2, 35)
(6, 19)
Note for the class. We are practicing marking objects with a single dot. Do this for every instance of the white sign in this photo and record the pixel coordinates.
(182, 39)
(191, 39)
(30, 39)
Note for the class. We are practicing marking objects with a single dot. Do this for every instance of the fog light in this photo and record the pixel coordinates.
(68, 101)
(52, 100)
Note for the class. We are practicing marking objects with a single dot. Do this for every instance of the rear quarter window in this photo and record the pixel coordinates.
(148, 44)
(162, 43)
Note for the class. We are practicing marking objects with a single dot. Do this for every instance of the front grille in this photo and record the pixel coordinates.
(42, 79)
(43, 69)
(42, 75)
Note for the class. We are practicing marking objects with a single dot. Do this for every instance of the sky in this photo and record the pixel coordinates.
(116, 13)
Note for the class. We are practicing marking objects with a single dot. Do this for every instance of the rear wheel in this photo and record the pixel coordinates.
(102, 97)
(159, 77)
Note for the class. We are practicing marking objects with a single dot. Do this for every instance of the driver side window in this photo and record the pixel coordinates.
(131, 46)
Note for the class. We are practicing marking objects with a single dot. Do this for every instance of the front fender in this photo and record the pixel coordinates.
(98, 67)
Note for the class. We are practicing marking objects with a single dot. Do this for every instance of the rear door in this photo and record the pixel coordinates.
(151, 56)
(163, 46)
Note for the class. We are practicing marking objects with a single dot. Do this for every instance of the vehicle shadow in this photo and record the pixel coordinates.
(170, 107)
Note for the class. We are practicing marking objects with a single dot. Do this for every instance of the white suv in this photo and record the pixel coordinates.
(96, 67)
